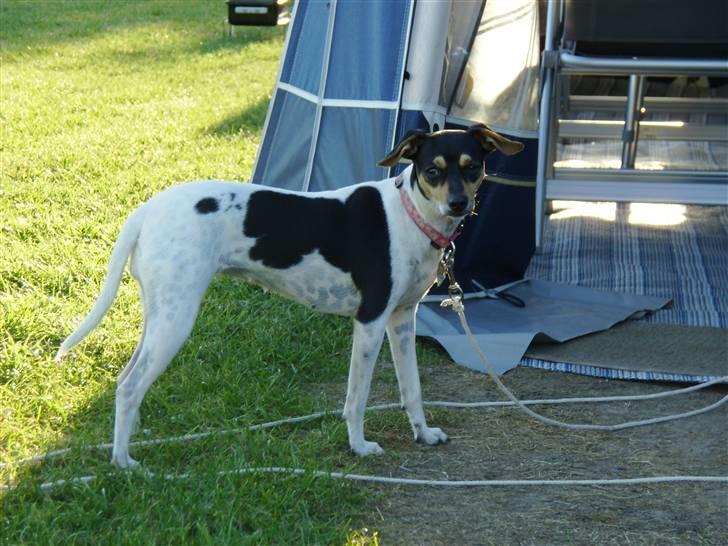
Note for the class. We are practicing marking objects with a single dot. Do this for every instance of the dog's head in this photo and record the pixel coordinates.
(450, 165)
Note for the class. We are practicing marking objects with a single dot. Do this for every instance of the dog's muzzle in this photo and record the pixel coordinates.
(458, 204)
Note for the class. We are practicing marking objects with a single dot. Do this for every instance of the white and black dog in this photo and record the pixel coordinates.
(369, 251)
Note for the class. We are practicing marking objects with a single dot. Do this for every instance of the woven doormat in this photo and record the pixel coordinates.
(638, 350)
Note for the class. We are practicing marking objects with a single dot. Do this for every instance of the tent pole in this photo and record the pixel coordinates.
(545, 125)
(408, 40)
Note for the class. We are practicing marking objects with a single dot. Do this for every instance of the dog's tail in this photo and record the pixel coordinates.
(122, 250)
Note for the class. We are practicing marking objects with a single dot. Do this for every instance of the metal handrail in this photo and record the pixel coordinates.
(570, 63)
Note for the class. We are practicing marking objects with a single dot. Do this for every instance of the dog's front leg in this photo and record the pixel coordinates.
(367, 342)
(401, 334)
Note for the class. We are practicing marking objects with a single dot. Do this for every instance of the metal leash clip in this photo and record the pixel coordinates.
(455, 293)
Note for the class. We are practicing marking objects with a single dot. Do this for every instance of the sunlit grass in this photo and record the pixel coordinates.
(103, 104)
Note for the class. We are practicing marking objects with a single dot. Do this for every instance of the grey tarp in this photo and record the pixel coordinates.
(555, 311)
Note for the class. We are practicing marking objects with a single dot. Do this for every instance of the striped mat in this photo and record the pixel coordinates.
(674, 251)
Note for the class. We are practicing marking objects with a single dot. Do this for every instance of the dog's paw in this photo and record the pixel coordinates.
(125, 463)
(365, 449)
(430, 436)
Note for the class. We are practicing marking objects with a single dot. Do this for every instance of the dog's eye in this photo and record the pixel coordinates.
(432, 172)
(473, 167)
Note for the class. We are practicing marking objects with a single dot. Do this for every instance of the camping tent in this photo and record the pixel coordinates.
(356, 76)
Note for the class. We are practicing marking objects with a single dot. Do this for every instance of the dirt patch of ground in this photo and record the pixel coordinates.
(506, 444)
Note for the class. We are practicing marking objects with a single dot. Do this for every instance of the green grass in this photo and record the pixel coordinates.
(103, 104)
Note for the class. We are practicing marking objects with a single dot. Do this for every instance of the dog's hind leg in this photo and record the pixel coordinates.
(129, 367)
(367, 343)
(401, 334)
(137, 350)
(167, 326)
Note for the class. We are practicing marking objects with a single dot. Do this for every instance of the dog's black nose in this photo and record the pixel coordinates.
(457, 203)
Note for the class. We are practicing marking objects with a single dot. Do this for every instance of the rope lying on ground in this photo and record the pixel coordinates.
(460, 310)
(436, 403)
(408, 481)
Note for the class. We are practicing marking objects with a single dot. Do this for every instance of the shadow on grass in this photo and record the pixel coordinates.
(249, 120)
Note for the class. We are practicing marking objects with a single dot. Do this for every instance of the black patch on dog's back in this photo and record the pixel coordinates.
(207, 205)
(352, 236)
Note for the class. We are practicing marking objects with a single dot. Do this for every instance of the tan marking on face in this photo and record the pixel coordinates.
(439, 162)
(465, 160)
(439, 193)
(425, 186)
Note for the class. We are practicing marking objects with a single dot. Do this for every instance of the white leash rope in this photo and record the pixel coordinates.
(401, 481)
(411, 481)
(435, 403)
(460, 310)
(456, 302)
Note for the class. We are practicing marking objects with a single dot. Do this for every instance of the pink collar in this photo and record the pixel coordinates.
(438, 240)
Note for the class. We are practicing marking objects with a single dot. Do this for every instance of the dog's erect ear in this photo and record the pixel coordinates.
(406, 148)
(491, 140)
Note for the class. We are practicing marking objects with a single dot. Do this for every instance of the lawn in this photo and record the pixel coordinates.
(103, 104)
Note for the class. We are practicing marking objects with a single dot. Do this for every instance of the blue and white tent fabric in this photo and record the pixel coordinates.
(356, 76)
(335, 108)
